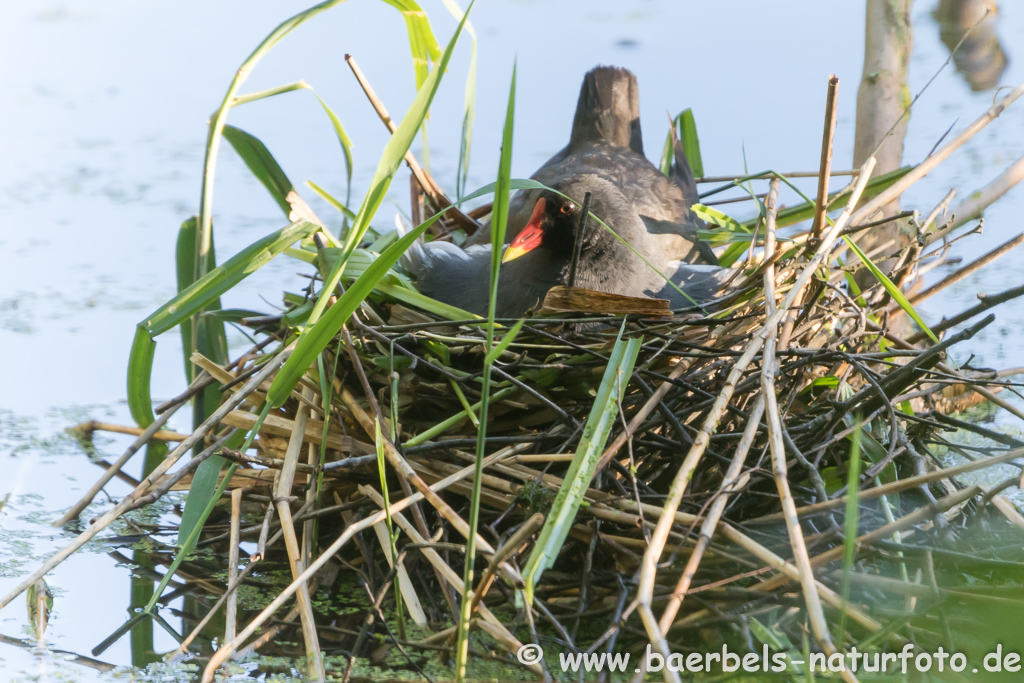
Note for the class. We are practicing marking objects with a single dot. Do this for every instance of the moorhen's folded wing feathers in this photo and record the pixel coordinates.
(701, 282)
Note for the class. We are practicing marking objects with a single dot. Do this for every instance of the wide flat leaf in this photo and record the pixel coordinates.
(201, 293)
(690, 141)
(208, 337)
(602, 418)
(262, 164)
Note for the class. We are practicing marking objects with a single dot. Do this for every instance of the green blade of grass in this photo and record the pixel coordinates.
(890, 287)
(344, 141)
(690, 141)
(469, 108)
(716, 217)
(422, 43)
(499, 224)
(319, 334)
(327, 197)
(851, 525)
(507, 339)
(207, 289)
(204, 233)
(584, 463)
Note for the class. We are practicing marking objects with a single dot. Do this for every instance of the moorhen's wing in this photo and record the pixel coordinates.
(701, 282)
(450, 274)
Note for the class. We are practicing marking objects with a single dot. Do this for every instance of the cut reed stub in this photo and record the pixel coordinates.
(563, 299)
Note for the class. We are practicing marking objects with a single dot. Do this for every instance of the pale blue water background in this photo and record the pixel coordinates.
(102, 125)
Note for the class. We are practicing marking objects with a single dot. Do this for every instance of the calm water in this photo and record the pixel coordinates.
(102, 126)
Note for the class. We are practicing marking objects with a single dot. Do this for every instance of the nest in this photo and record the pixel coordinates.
(770, 470)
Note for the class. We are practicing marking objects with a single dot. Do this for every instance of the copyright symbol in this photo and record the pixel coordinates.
(530, 654)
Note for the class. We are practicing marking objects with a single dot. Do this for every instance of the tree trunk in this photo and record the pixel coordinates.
(882, 98)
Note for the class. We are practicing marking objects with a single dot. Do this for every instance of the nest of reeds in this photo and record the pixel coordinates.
(759, 471)
(771, 470)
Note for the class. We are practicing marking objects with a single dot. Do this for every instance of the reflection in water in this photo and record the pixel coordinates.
(981, 59)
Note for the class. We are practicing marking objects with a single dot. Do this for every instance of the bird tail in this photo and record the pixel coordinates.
(608, 110)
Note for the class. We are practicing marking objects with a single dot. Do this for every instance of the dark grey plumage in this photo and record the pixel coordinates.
(605, 141)
(460, 277)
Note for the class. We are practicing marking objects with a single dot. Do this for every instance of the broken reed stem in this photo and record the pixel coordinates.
(987, 302)
(97, 426)
(581, 230)
(232, 608)
(512, 545)
(104, 520)
(891, 193)
(961, 273)
(821, 203)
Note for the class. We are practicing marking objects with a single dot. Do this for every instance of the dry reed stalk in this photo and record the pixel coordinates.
(118, 464)
(731, 480)
(821, 202)
(425, 180)
(812, 601)
(231, 611)
(282, 500)
(645, 591)
(228, 648)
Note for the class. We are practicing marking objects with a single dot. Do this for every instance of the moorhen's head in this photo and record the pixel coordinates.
(556, 218)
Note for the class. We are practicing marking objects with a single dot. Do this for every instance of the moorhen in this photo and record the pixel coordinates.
(541, 254)
(605, 141)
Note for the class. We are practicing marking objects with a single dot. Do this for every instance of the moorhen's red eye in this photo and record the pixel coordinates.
(567, 208)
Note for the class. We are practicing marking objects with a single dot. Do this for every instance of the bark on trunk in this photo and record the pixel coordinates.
(881, 99)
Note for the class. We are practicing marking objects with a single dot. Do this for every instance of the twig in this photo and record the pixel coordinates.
(437, 195)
